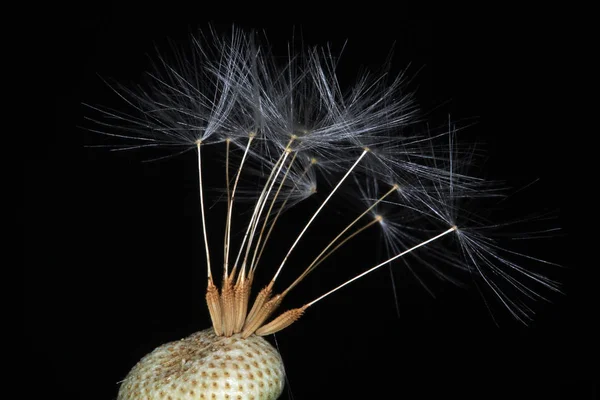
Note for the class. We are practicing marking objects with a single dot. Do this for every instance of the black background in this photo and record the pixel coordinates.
(113, 256)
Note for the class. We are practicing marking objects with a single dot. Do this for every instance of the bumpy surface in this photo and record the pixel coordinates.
(207, 366)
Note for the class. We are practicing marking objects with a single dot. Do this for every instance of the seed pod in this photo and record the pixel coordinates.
(207, 366)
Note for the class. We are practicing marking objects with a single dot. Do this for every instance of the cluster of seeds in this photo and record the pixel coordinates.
(285, 125)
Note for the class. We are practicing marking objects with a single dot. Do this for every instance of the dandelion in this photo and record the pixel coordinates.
(289, 131)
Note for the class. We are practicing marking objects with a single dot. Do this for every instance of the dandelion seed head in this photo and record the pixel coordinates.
(287, 127)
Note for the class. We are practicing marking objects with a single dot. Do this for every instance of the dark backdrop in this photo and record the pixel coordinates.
(113, 256)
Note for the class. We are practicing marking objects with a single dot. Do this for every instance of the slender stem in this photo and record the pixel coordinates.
(254, 223)
(227, 142)
(317, 213)
(382, 264)
(271, 227)
(198, 144)
(261, 199)
(230, 206)
(392, 190)
(320, 259)
(274, 222)
(262, 230)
